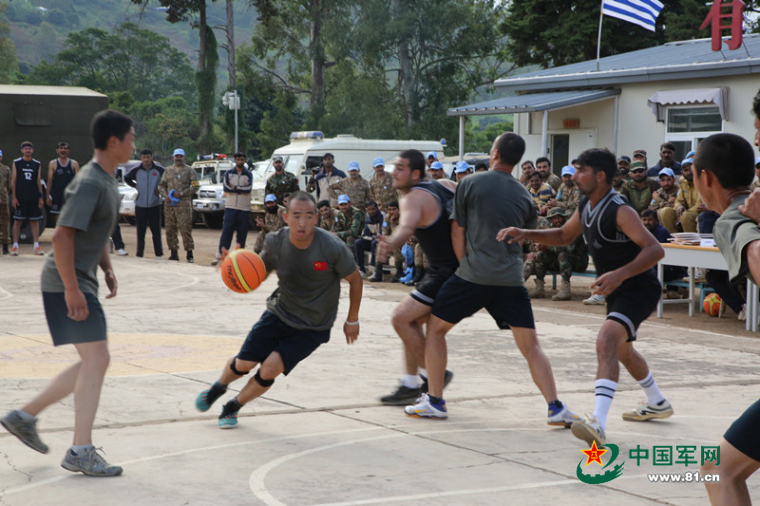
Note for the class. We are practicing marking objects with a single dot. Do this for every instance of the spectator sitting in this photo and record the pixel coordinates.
(540, 191)
(527, 170)
(544, 167)
(568, 194)
(667, 152)
(670, 272)
(373, 225)
(756, 183)
(328, 217)
(436, 171)
(481, 167)
(665, 197)
(624, 165)
(463, 169)
(351, 222)
(639, 189)
(688, 202)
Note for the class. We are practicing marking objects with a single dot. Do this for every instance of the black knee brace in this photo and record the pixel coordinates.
(234, 369)
(261, 381)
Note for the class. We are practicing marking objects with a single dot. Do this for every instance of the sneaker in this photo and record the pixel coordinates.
(742, 316)
(595, 300)
(402, 396)
(14, 251)
(25, 431)
(646, 412)
(228, 421)
(562, 417)
(426, 409)
(89, 462)
(204, 401)
(159, 257)
(38, 251)
(589, 431)
(447, 377)
(122, 252)
(217, 259)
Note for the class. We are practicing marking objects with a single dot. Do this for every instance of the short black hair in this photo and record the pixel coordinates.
(323, 203)
(535, 174)
(528, 161)
(729, 156)
(239, 154)
(328, 154)
(511, 148)
(107, 124)
(286, 195)
(63, 144)
(481, 165)
(600, 160)
(146, 152)
(306, 197)
(668, 145)
(756, 105)
(370, 203)
(416, 161)
(543, 159)
(646, 213)
(392, 203)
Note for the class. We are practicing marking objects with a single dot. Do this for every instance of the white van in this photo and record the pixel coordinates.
(304, 155)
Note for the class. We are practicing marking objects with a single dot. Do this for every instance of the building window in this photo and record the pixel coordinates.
(687, 126)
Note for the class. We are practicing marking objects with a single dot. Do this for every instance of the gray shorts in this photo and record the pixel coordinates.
(67, 331)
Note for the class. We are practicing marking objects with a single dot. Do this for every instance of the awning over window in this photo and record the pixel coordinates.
(660, 100)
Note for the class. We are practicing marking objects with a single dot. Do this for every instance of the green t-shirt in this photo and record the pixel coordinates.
(484, 204)
(309, 280)
(92, 208)
(732, 233)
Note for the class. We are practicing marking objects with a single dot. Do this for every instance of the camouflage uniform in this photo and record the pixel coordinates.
(381, 190)
(357, 191)
(280, 184)
(640, 198)
(351, 226)
(180, 216)
(388, 227)
(272, 223)
(566, 259)
(568, 198)
(5, 214)
(330, 224)
(755, 185)
(554, 181)
(420, 258)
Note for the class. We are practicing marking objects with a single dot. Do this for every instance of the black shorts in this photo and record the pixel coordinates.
(272, 334)
(743, 433)
(431, 283)
(27, 210)
(508, 305)
(67, 331)
(633, 303)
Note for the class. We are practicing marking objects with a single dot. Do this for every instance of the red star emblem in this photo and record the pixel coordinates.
(594, 454)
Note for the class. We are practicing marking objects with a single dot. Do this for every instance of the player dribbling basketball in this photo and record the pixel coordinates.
(300, 313)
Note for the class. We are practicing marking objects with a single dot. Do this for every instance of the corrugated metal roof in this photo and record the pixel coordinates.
(533, 102)
(70, 91)
(674, 60)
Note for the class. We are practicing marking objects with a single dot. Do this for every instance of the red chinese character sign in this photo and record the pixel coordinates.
(732, 10)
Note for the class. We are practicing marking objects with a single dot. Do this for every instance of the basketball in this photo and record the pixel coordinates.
(243, 271)
(711, 305)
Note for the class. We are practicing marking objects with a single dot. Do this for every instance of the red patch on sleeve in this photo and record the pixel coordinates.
(320, 266)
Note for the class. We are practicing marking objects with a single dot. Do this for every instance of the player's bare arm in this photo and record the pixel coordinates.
(410, 215)
(63, 243)
(105, 265)
(566, 234)
(355, 287)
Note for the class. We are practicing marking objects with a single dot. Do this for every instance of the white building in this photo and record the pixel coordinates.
(680, 92)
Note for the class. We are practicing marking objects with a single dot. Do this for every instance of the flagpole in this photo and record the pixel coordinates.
(599, 39)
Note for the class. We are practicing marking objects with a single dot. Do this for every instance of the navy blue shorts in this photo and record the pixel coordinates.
(27, 210)
(508, 305)
(743, 433)
(631, 304)
(427, 289)
(67, 331)
(271, 334)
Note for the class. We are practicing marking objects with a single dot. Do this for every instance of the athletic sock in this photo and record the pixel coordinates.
(26, 416)
(232, 406)
(654, 396)
(436, 401)
(423, 372)
(605, 392)
(80, 449)
(555, 407)
(411, 381)
(15, 245)
(36, 245)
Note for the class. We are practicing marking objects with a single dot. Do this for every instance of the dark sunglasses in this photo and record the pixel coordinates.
(638, 171)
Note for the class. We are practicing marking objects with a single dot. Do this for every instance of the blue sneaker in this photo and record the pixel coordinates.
(426, 409)
(562, 417)
(228, 421)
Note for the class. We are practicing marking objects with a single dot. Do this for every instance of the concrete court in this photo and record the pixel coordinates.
(320, 436)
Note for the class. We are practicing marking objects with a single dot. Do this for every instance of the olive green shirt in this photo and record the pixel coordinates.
(733, 232)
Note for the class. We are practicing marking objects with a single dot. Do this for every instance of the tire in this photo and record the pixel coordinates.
(213, 220)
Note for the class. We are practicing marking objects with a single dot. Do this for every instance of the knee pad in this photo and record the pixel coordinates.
(234, 369)
(261, 381)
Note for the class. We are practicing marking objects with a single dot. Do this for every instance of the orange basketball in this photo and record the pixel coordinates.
(711, 305)
(243, 271)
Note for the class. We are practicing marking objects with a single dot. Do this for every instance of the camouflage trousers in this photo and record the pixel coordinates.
(5, 224)
(420, 258)
(179, 219)
(555, 260)
(259, 244)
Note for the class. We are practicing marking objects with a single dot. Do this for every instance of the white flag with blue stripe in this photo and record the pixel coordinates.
(640, 12)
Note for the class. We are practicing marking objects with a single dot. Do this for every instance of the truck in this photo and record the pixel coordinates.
(303, 155)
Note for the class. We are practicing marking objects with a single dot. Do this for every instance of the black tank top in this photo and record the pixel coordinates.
(608, 246)
(61, 178)
(26, 179)
(435, 239)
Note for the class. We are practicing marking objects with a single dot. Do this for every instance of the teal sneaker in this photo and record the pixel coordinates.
(228, 421)
(208, 397)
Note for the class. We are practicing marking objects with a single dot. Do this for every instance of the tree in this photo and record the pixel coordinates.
(8, 63)
(45, 42)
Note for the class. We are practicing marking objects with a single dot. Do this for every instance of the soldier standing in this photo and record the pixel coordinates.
(281, 182)
(328, 217)
(381, 185)
(325, 177)
(355, 186)
(272, 222)
(5, 214)
(178, 186)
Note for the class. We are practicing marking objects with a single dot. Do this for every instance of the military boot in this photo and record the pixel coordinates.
(564, 292)
(378, 274)
(397, 277)
(538, 291)
(174, 255)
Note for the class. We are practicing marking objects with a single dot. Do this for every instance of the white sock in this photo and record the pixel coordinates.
(654, 396)
(26, 416)
(423, 372)
(605, 392)
(15, 245)
(80, 449)
(36, 245)
(411, 381)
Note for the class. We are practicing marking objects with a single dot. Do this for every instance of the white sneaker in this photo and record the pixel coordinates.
(699, 274)
(589, 431)
(646, 411)
(159, 258)
(562, 417)
(426, 409)
(595, 300)
(742, 316)
(122, 252)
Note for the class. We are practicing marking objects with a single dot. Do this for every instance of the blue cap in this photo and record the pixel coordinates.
(353, 165)
(1, 152)
(667, 172)
(270, 198)
(343, 199)
(431, 153)
(624, 159)
(691, 154)
(687, 161)
(757, 160)
(462, 167)
(568, 169)
(377, 162)
(436, 166)
(179, 151)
